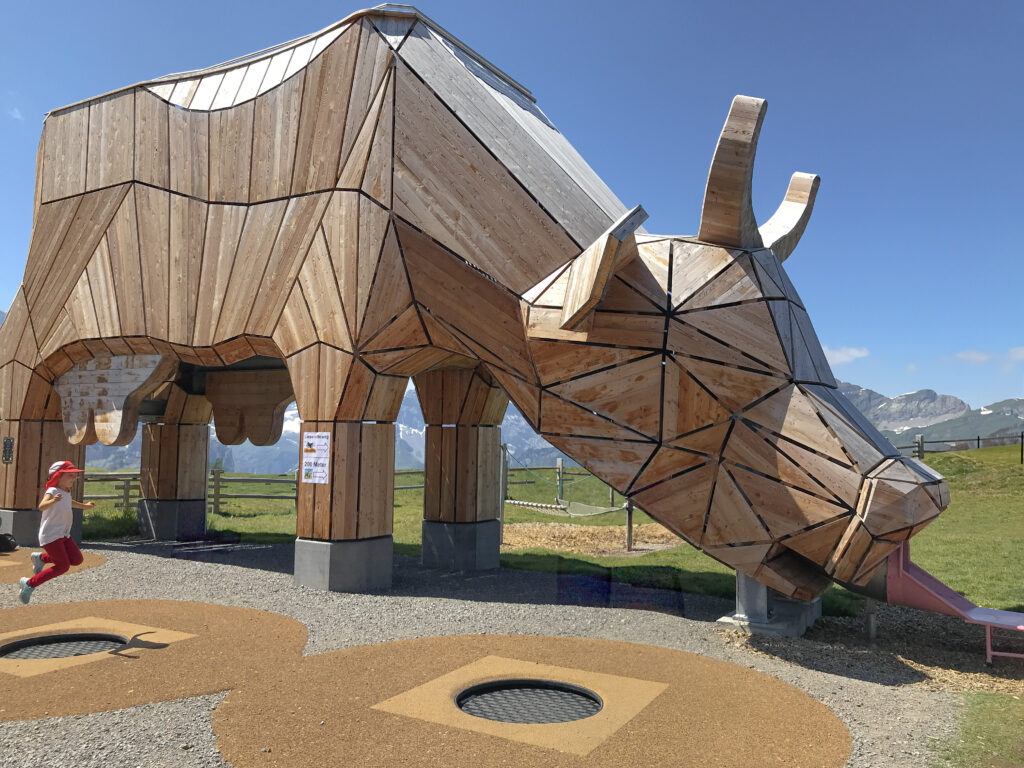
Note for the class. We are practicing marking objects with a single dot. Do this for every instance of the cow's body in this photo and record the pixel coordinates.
(388, 207)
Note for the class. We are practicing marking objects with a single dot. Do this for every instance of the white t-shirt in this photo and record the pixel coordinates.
(57, 518)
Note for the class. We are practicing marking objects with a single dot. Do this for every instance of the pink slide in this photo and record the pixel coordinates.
(909, 584)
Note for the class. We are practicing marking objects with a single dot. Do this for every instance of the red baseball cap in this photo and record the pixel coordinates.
(57, 469)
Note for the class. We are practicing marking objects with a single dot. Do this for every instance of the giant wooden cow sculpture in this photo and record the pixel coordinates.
(328, 218)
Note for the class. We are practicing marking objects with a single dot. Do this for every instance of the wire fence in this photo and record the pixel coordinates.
(920, 445)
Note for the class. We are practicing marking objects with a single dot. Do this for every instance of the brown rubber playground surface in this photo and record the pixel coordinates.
(14, 565)
(392, 703)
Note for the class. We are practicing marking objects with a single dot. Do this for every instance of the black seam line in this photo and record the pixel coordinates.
(363, 347)
(758, 427)
(766, 396)
(574, 436)
(376, 127)
(674, 354)
(373, 280)
(701, 286)
(700, 384)
(488, 150)
(643, 296)
(828, 490)
(319, 232)
(638, 491)
(643, 468)
(749, 504)
(753, 471)
(727, 345)
(845, 516)
(610, 366)
(646, 438)
(832, 432)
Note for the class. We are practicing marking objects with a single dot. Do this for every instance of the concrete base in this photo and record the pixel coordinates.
(763, 611)
(172, 519)
(461, 546)
(359, 565)
(23, 524)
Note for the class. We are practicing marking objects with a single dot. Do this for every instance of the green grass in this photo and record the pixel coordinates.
(991, 734)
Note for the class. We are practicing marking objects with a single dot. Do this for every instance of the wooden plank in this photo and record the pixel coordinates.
(183, 92)
(223, 232)
(231, 153)
(448, 479)
(190, 153)
(614, 462)
(322, 117)
(390, 293)
(666, 463)
(686, 340)
(377, 178)
(432, 446)
(101, 281)
(299, 226)
(441, 337)
(228, 89)
(488, 481)
(80, 307)
(784, 510)
(320, 290)
(738, 282)
(680, 503)
(275, 131)
(304, 370)
(754, 451)
(187, 239)
(792, 414)
(111, 143)
(696, 265)
(733, 388)
(354, 158)
(126, 271)
(254, 75)
(747, 327)
(152, 140)
(524, 395)
(355, 394)
(348, 444)
(818, 543)
(308, 523)
(629, 394)
(154, 212)
(465, 474)
(559, 361)
(235, 350)
(376, 481)
(29, 444)
(296, 330)
(65, 142)
(206, 92)
(404, 332)
(561, 417)
(51, 224)
(262, 223)
(482, 206)
(341, 232)
(730, 518)
(193, 458)
(364, 97)
(385, 398)
(839, 477)
(373, 225)
(334, 379)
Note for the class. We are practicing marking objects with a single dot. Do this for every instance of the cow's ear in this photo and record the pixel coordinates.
(783, 230)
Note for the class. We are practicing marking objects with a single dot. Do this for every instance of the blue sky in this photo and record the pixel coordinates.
(909, 111)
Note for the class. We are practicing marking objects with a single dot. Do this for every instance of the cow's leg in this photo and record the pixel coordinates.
(346, 470)
(463, 409)
(173, 476)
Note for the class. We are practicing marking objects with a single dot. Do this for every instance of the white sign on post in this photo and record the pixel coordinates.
(316, 457)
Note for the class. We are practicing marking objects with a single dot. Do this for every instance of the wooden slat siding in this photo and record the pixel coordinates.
(455, 386)
(747, 328)
(450, 187)
(557, 361)
(320, 290)
(341, 232)
(154, 212)
(8, 428)
(629, 394)
(686, 341)
(733, 388)
(126, 271)
(441, 337)
(81, 309)
(562, 417)
(65, 140)
(818, 544)
(457, 83)
(377, 178)
(301, 220)
(447, 479)
(432, 472)
(101, 280)
(488, 488)
(793, 415)
(524, 395)
(354, 389)
(751, 450)
(429, 387)
(28, 445)
(17, 341)
(91, 219)
(51, 225)
(193, 458)
(328, 81)
(345, 476)
(152, 140)
(231, 153)
(361, 137)
(460, 296)
(6, 387)
(235, 350)
(376, 481)
(187, 236)
(167, 467)
(840, 478)
(305, 497)
(189, 153)
(274, 135)
(296, 330)
(730, 517)
(365, 85)
(405, 331)
(223, 231)
(784, 511)
(466, 473)
(262, 224)
(587, 280)
(59, 334)
(111, 143)
(385, 399)
(390, 292)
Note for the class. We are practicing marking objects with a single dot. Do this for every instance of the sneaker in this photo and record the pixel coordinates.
(26, 591)
(37, 562)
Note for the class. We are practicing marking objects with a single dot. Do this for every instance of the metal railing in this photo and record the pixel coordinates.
(962, 444)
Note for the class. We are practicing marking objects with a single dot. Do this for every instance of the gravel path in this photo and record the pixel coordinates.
(893, 716)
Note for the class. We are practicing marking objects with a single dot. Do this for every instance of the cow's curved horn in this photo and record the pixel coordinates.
(783, 230)
(728, 216)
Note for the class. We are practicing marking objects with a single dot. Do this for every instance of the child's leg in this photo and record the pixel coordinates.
(58, 558)
(74, 553)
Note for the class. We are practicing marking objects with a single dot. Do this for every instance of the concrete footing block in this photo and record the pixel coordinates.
(461, 546)
(23, 524)
(359, 565)
(172, 519)
(763, 611)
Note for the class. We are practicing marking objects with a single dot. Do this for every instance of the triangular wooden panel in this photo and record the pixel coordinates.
(864, 455)
(648, 274)
(628, 394)
(187, 236)
(404, 332)
(390, 292)
(841, 479)
(818, 544)
(450, 187)
(356, 393)
(17, 332)
(708, 440)
(57, 335)
(730, 518)
(324, 112)
(80, 307)
(275, 130)
(382, 361)
(425, 359)
(687, 406)
(734, 388)
(559, 417)
(784, 510)
(524, 396)
(341, 231)
(223, 230)
(878, 552)
(295, 330)
(895, 471)
(784, 325)
(51, 226)
(355, 161)
(321, 294)
(821, 366)
(666, 463)
(681, 503)
(559, 361)
(744, 558)
(154, 214)
(769, 273)
(373, 225)
(377, 179)
(394, 29)
(440, 336)
(694, 266)
(793, 415)
(616, 463)
(622, 297)
(737, 283)
(102, 283)
(367, 84)
(851, 550)
(834, 405)
(550, 292)
(687, 340)
(754, 452)
(748, 327)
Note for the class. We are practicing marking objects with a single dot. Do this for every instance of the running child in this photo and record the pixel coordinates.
(61, 552)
